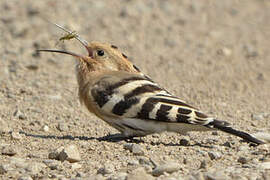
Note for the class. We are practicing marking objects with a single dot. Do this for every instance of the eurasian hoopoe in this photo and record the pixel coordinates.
(116, 91)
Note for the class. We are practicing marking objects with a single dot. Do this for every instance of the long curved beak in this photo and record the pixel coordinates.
(60, 51)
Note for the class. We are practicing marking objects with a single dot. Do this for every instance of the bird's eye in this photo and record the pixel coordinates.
(100, 52)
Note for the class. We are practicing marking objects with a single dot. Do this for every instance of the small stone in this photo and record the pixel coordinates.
(4, 168)
(144, 160)
(264, 165)
(70, 153)
(263, 136)
(62, 126)
(16, 136)
(106, 169)
(203, 165)
(9, 150)
(18, 162)
(52, 164)
(136, 149)
(242, 160)
(25, 177)
(257, 117)
(215, 176)
(32, 67)
(35, 167)
(139, 174)
(184, 142)
(225, 51)
(19, 115)
(227, 144)
(75, 166)
(214, 155)
(45, 128)
(197, 176)
(119, 176)
(55, 154)
(250, 51)
(167, 167)
(133, 162)
(4, 127)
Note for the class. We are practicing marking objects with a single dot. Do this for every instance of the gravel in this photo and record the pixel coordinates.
(218, 65)
(70, 153)
(136, 149)
(169, 167)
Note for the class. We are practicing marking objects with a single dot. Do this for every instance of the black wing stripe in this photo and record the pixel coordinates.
(162, 113)
(103, 96)
(147, 107)
(121, 107)
(142, 89)
(100, 97)
(182, 118)
(200, 115)
(184, 111)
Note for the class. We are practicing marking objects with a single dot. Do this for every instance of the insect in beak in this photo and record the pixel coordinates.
(70, 35)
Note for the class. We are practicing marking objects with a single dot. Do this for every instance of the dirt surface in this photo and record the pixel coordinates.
(213, 54)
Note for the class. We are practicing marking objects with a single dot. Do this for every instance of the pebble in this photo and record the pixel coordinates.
(136, 149)
(4, 128)
(167, 167)
(25, 177)
(18, 162)
(9, 150)
(62, 126)
(263, 136)
(52, 164)
(75, 166)
(225, 51)
(119, 176)
(203, 165)
(259, 117)
(35, 167)
(215, 176)
(242, 160)
(133, 162)
(264, 165)
(70, 153)
(197, 176)
(4, 168)
(251, 52)
(144, 161)
(32, 67)
(139, 174)
(16, 136)
(227, 144)
(106, 169)
(184, 142)
(19, 115)
(45, 128)
(214, 155)
(55, 154)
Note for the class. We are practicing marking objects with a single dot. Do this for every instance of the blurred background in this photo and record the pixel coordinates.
(213, 54)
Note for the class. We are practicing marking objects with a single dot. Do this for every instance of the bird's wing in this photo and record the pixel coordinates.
(135, 96)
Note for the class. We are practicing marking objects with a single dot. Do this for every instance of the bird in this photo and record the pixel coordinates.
(116, 91)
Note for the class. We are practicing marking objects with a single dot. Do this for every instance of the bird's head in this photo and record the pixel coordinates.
(100, 58)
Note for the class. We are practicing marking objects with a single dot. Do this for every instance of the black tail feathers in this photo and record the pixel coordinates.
(224, 126)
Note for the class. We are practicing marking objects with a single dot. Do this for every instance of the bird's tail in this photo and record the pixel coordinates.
(224, 126)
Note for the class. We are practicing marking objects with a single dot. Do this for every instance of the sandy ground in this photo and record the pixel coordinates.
(213, 54)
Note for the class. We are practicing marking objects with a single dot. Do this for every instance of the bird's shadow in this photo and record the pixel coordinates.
(108, 138)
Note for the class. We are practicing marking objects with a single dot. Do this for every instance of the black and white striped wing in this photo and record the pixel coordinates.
(139, 97)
